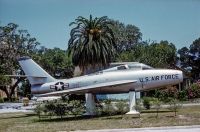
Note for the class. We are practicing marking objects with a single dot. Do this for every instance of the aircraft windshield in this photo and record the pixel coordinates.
(139, 66)
(129, 66)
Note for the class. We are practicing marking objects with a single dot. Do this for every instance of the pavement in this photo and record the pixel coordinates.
(194, 128)
(15, 107)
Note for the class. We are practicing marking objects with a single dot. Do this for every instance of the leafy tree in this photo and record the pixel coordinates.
(126, 36)
(190, 59)
(162, 55)
(54, 61)
(92, 42)
(13, 44)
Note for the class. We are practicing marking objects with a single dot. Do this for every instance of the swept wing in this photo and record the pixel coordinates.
(107, 87)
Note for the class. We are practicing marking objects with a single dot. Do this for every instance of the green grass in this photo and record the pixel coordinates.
(21, 122)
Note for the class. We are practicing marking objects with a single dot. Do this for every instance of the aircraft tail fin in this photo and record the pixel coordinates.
(35, 74)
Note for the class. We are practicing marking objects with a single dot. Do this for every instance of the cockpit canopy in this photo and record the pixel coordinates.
(127, 66)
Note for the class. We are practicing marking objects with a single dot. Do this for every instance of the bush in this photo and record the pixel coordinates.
(147, 102)
(165, 94)
(77, 107)
(193, 91)
(49, 108)
(99, 109)
(1, 100)
(60, 109)
(138, 106)
(108, 108)
(122, 107)
(5, 99)
(182, 95)
(174, 105)
(157, 104)
(38, 110)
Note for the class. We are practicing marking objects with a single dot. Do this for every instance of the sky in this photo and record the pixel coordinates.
(177, 21)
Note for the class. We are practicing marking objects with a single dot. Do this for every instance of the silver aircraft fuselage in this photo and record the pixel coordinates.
(125, 77)
(145, 80)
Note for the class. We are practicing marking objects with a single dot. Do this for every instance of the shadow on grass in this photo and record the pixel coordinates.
(154, 111)
(115, 117)
(18, 116)
(57, 119)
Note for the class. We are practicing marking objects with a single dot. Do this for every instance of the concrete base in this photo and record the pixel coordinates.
(133, 113)
(132, 103)
(88, 114)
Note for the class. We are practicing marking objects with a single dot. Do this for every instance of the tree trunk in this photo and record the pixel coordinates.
(12, 89)
(4, 88)
(14, 86)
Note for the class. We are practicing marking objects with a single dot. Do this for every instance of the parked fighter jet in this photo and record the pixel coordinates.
(124, 78)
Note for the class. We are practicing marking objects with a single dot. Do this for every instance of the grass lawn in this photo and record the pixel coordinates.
(21, 122)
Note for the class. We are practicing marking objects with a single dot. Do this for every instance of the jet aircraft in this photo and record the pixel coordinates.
(124, 78)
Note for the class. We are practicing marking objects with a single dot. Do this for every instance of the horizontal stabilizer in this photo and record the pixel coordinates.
(36, 79)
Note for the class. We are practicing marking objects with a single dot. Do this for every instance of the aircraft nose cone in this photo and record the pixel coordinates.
(180, 74)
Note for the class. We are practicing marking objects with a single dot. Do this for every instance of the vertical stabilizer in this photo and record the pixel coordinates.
(35, 74)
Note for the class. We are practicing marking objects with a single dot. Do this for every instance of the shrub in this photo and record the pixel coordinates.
(122, 107)
(5, 99)
(138, 106)
(1, 100)
(182, 95)
(77, 107)
(60, 109)
(193, 91)
(165, 94)
(38, 110)
(157, 105)
(147, 102)
(174, 105)
(108, 108)
(99, 109)
(49, 108)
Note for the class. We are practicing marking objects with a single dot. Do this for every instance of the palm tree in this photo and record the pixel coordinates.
(92, 42)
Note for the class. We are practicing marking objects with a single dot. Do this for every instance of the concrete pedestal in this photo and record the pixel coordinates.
(90, 104)
(132, 103)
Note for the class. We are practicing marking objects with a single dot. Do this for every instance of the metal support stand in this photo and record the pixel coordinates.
(132, 103)
(90, 104)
